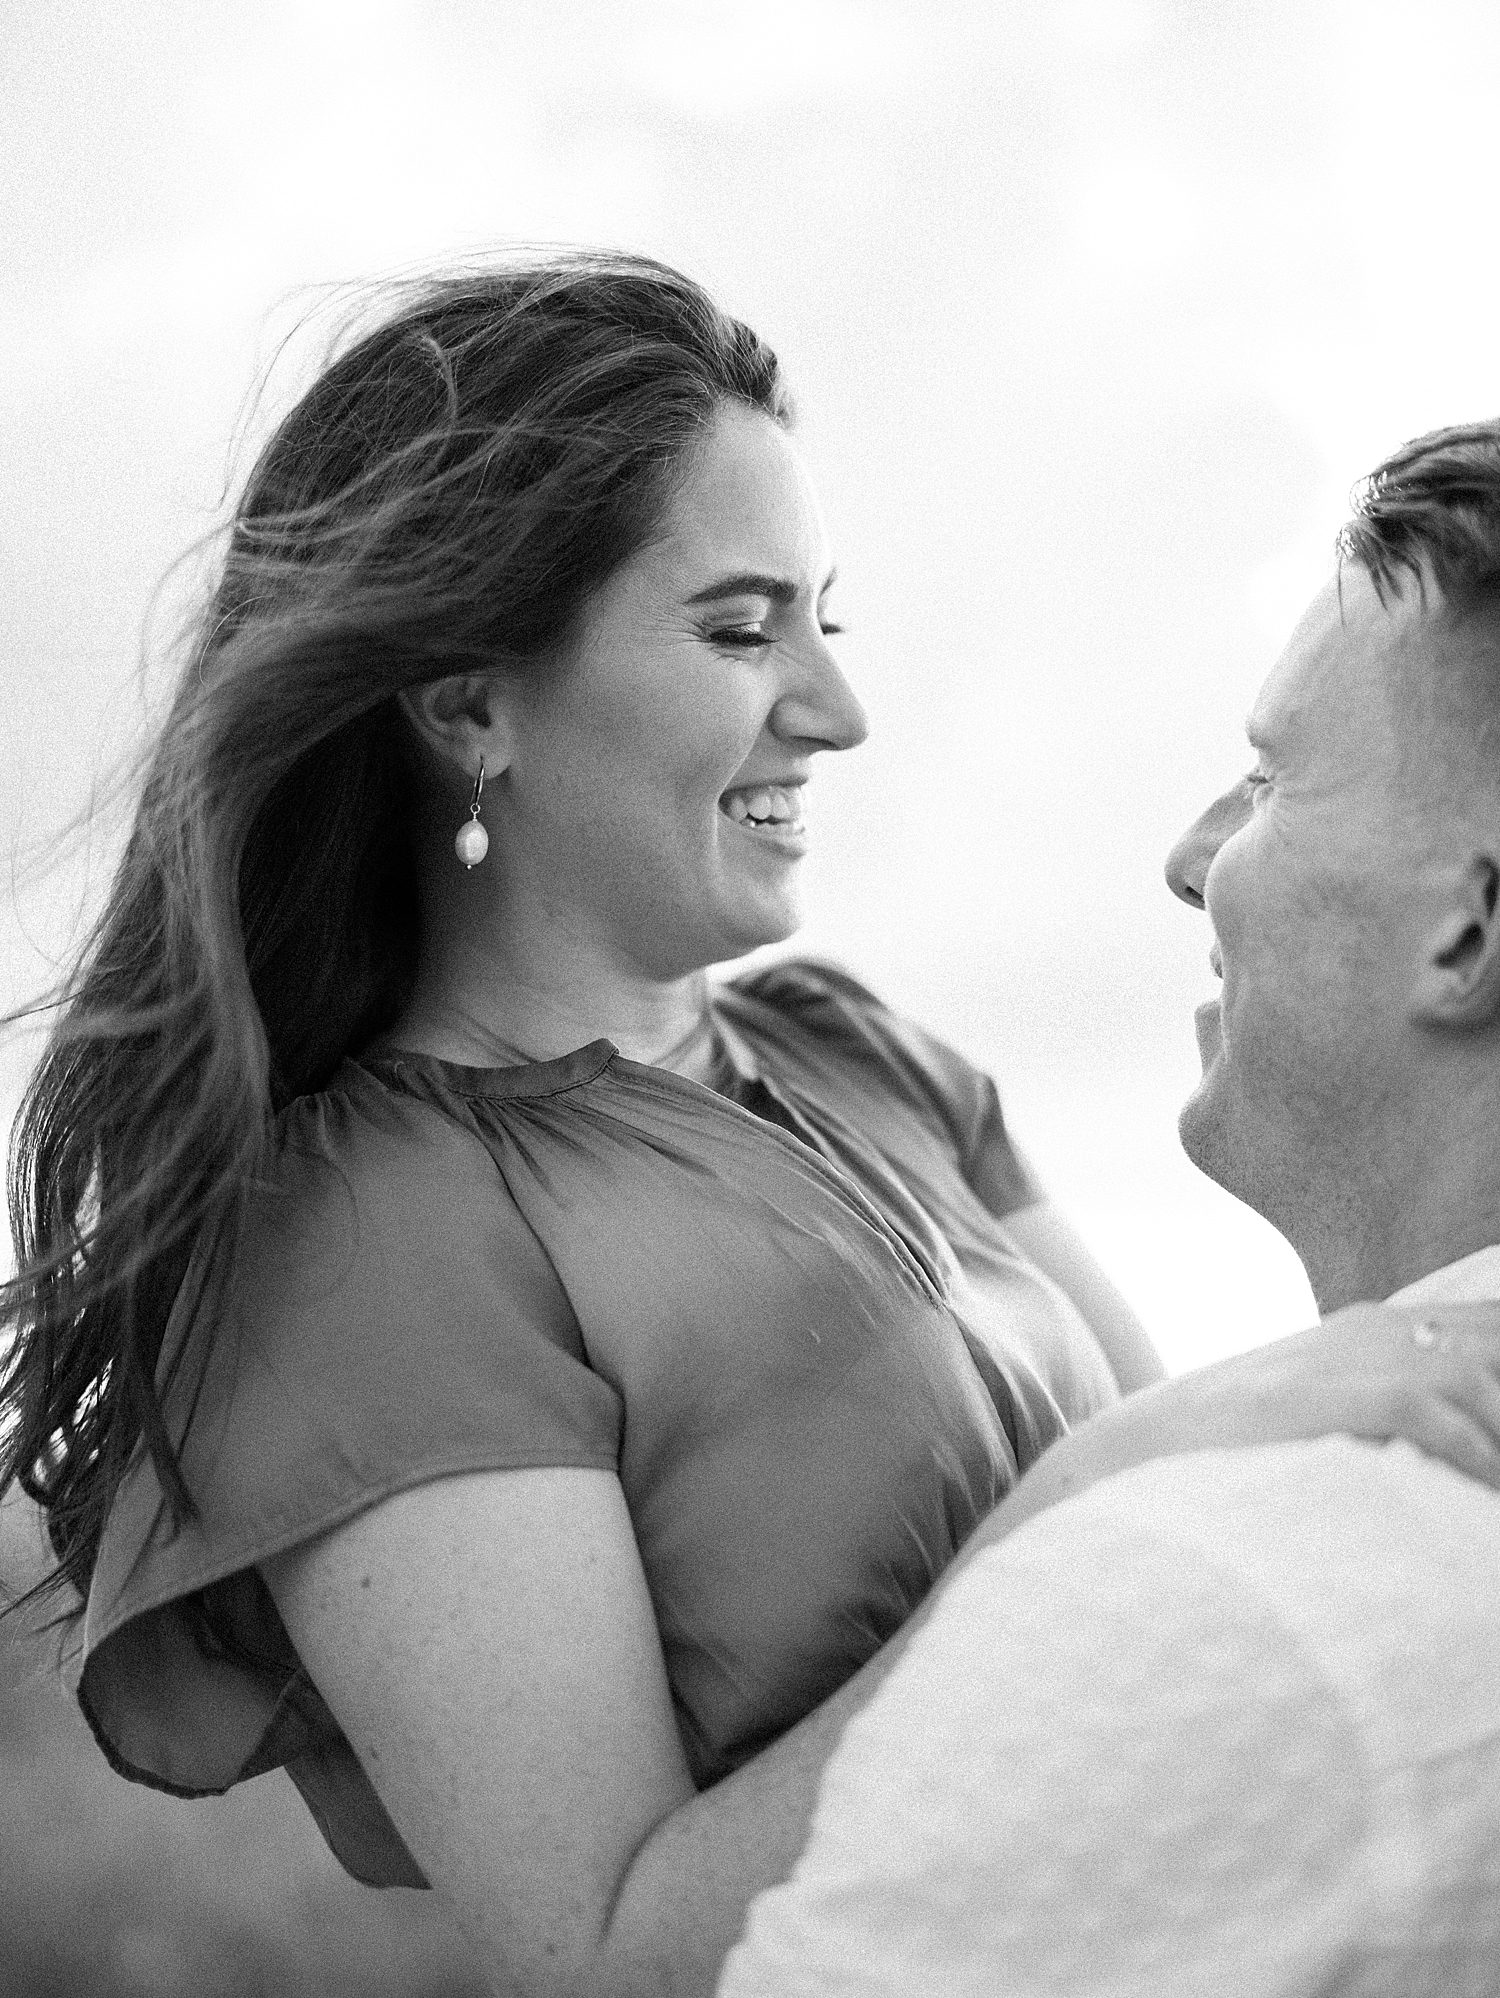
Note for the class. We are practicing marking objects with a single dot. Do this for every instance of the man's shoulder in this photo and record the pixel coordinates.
(1177, 1723)
(1376, 1565)
(1295, 1503)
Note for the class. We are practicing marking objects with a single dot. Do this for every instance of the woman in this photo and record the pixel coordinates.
(466, 1358)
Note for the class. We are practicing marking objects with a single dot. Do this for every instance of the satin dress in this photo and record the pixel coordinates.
(784, 1309)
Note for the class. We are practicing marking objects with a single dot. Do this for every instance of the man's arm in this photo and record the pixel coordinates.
(1103, 1766)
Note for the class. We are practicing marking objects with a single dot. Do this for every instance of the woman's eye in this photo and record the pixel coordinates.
(750, 637)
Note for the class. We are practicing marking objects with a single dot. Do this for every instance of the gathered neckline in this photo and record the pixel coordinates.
(530, 1078)
(566, 1071)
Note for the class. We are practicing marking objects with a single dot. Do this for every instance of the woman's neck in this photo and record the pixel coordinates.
(488, 1013)
(505, 975)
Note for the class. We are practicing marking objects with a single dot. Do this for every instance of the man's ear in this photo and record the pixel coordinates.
(460, 719)
(1458, 985)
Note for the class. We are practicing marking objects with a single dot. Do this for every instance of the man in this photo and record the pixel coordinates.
(1229, 1723)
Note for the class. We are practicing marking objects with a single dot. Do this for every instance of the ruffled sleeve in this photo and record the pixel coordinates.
(389, 1319)
(905, 1069)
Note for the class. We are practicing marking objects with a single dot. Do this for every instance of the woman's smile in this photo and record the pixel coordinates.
(652, 793)
(771, 815)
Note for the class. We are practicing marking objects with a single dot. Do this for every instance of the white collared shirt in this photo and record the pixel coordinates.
(1470, 1280)
(1225, 1726)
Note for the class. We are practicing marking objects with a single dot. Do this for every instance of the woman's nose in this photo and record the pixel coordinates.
(820, 706)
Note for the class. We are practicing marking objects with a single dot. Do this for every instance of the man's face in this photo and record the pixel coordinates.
(1315, 870)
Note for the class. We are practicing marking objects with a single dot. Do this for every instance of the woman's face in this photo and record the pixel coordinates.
(653, 792)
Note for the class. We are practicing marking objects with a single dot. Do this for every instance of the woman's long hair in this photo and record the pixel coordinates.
(443, 500)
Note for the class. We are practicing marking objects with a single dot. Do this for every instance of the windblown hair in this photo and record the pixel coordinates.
(443, 500)
(1433, 508)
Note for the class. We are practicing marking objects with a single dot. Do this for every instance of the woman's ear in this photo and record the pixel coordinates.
(460, 719)
(1458, 983)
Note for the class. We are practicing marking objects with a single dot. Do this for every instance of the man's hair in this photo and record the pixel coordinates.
(1433, 509)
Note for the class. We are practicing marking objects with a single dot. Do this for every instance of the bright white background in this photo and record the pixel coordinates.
(1094, 311)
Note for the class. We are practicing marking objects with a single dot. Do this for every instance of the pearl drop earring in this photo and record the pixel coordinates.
(471, 842)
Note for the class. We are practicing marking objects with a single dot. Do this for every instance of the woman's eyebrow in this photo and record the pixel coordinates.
(750, 583)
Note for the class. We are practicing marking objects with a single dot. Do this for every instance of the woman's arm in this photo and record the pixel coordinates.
(1001, 1174)
(1043, 1233)
(488, 1645)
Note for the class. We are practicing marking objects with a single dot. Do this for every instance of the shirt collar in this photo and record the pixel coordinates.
(1471, 1280)
(739, 1056)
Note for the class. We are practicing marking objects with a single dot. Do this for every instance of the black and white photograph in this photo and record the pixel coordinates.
(750, 980)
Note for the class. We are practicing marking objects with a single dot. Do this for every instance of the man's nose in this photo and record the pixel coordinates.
(1190, 859)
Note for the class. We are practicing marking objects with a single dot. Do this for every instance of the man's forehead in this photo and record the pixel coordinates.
(1337, 668)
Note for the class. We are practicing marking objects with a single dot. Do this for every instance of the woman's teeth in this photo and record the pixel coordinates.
(768, 804)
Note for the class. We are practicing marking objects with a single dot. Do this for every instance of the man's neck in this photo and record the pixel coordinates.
(1338, 1279)
(1436, 1200)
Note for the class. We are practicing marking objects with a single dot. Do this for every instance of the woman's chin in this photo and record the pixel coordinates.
(757, 926)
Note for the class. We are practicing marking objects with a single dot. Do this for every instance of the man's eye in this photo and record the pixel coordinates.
(833, 630)
(746, 636)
